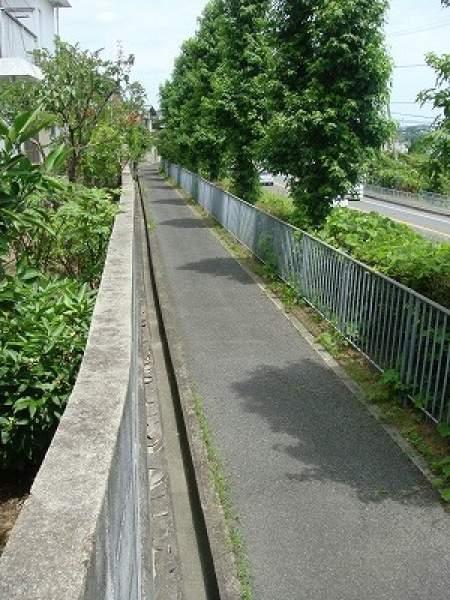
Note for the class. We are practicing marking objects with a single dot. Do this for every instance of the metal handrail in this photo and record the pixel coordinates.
(423, 198)
(395, 327)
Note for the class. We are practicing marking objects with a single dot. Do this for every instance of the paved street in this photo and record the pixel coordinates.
(432, 226)
(329, 506)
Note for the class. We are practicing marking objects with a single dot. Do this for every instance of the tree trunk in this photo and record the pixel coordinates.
(72, 167)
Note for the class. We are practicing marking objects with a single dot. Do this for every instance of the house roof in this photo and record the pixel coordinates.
(20, 68)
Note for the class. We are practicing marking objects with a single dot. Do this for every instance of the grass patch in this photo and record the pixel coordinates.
(277, 205)
(222, 488)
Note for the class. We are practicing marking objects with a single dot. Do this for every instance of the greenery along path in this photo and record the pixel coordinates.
(328, 505)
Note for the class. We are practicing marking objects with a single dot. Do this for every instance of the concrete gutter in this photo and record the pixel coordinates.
(79, 535)
(224, 565)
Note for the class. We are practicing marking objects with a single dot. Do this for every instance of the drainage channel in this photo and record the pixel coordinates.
(198, 580)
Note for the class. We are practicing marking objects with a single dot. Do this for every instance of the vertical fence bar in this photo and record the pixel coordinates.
(392, 325)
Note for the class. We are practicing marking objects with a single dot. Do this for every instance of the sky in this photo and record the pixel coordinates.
(153, 30)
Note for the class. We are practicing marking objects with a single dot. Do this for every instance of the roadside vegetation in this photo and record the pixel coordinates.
(426, 166)
(299, 90)
(55, 223)
(391, 248)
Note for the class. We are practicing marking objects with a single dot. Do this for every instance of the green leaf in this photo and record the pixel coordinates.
(56, 158)
(445, 493)
(444, 430)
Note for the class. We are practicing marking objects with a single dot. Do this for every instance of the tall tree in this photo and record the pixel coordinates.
(439, 96)
(332, 78)
(79, 86)
(191, 134)
(239, 89)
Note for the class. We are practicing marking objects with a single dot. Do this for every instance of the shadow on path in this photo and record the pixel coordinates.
(174, 201)
(187, 223)
(219, 267)
(335, 438)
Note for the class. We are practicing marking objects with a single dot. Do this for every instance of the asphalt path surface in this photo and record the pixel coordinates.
(433, 226)
(329, 506)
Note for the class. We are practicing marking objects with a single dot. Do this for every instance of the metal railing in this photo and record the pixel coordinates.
(16, 40)
(421, 199)
(393, 326)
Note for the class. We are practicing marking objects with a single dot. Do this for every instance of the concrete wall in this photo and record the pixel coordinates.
(81, 534)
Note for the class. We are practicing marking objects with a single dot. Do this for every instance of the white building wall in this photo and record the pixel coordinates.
(37, 15)
(47, 24)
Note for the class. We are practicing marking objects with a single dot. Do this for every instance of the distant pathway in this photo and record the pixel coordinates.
(329, 506)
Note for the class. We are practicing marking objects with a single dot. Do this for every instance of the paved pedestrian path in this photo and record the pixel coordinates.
(329, 506)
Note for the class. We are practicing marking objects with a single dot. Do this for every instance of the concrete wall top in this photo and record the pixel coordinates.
(48, 555)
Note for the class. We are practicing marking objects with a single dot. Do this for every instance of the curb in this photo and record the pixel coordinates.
(216, 527)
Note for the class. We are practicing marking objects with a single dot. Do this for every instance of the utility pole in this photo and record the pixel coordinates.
(393, 145)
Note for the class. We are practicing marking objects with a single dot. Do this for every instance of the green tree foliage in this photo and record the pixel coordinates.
(16, 97)
(332, 72)
(439, 96)
(78, 88)
(191, 134)
(213, 107)
(240, 90)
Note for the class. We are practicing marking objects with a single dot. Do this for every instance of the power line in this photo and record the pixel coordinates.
(419, 29)
(410, 66)
(415, 116)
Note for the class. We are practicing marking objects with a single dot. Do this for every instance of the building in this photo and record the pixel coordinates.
(25, 26)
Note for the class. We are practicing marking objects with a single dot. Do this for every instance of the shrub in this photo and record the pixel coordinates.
(44, 324)
(69, 233)
(279, 206)
(392, 248)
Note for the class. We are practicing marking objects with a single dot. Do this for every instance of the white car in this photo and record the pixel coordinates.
(265, 178)
(357, 192)
(340, 202)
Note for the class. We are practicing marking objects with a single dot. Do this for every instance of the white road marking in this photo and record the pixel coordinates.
(413, 225)
(415, 212)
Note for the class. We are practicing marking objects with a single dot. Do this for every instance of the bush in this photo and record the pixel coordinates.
(405, 172)
(392, 248)
(69, 233)
(44, 324)
(279, 206)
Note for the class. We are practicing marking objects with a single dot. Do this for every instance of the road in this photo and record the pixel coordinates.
(329, 506)
(432, 226)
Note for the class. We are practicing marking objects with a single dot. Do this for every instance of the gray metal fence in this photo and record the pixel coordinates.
(425, 199)
(393, 326)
